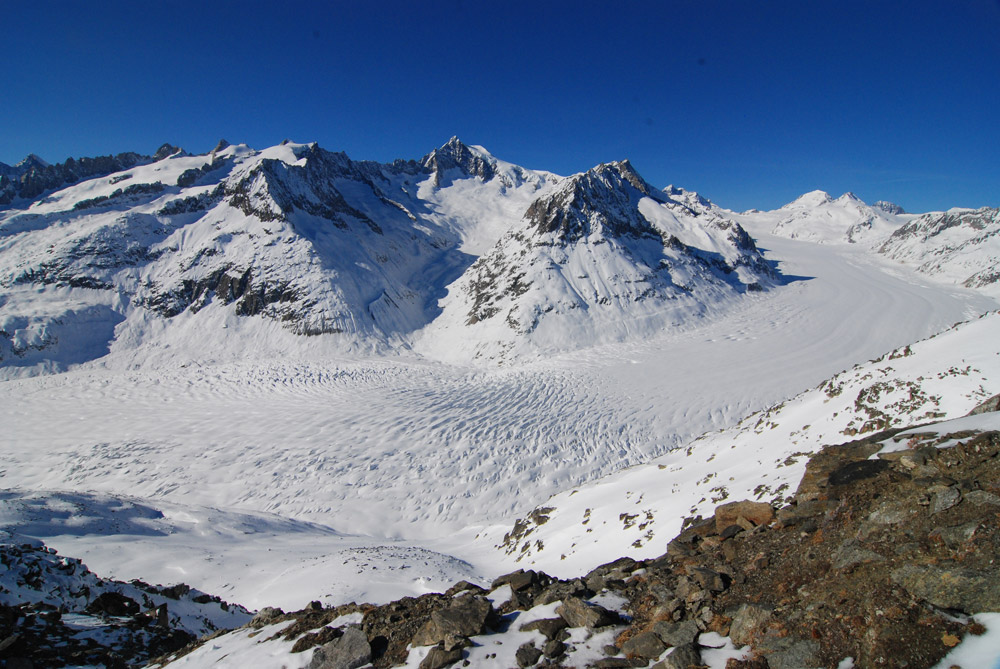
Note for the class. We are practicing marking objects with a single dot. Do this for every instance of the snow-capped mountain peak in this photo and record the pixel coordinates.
(602, 200)
(601, 256)
(472, 161)
(813, 198)
(815, 216)
(849, 197)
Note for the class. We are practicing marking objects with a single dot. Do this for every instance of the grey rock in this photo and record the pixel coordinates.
(518, 580)
(681, 657)
(790, 653)
(465, 586)
(549, 627)
(965, 590)
(891, 513)
(708, 579)
(992, 404)
(453, 641)
(439, 657)
(614, 663)
(527, 655)
(560, 591)
(466, 616)
(945, 499)
(955, 536)
(266, 616)
(554, 648)
(677, 634)
(578, 613)
(748, 622)
(348, 652)
(645, 644)
(982, 498)
(850, 554)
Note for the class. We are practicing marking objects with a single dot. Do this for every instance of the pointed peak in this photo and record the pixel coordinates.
(473, 160)
(813, 198)
(223, 144)
(32, 160)
(850, 197)
(621, 169)
(166, 150)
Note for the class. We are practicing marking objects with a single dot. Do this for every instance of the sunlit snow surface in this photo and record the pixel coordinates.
(364, 452)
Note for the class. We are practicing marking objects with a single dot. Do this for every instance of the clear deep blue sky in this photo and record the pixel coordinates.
(749, 103)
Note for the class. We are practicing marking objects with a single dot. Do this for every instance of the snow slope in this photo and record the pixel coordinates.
(959, 245)
(636, 511)
(256, 559)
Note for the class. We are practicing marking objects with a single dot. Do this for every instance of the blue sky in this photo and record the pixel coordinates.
(751, 104)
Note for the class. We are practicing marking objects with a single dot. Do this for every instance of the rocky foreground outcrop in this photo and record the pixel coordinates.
(880, 559)
(54, 612)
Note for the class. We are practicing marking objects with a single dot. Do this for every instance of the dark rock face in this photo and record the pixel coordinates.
(31, 178)
(466, 616)
(438, 657)
(605, 196)
(550, 627)
(681, 657)
(888, 207)
(527, 655)
(645, 644)
(390, 628)
(856, 471)
(113, 604)
(454, 155)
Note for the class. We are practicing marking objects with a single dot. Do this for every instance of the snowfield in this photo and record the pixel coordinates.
(166, 417)
(376, 450)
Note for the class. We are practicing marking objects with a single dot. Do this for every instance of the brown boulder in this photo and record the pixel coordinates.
(756, 513)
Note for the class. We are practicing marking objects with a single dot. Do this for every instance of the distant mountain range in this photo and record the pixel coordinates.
(459, 255)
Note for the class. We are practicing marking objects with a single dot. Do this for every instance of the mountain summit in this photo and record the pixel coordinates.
(602, 255)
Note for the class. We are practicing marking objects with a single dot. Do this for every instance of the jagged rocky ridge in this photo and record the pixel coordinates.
(33, 176)
(902, 546)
